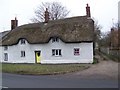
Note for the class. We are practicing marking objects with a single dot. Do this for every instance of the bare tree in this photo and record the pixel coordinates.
(111, 38)
(97, 30)
(55, 9)
(97, 33)
(105, 41)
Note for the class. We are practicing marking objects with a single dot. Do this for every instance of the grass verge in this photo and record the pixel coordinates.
(38, 69)
(95, 60)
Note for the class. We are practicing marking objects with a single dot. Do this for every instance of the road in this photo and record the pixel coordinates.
(101, 75)
(55, 81)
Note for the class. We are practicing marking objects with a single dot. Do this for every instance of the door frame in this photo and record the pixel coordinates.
(36, 57)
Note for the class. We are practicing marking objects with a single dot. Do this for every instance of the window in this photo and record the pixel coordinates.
(55, 39)
(76, 51)
(5, 57)
(22, 41)
(56, 52)
(5, 47)
(22, 53)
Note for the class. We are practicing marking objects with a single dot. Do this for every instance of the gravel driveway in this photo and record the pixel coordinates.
(105, 69)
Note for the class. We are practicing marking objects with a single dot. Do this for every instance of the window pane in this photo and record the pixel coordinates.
(53, 52)
(5, 57)
(76, 51)
(55, 39)
(22, 53)
(59, 52)
(56, 52)
(22, 41)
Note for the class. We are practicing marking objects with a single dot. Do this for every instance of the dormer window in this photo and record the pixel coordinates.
(55, 39)
(5, 47)
(22, 41)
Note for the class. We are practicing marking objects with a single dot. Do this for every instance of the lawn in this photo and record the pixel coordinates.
(38, 69)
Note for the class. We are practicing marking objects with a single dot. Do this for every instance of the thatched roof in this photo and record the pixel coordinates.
(69, 30)
(2, 34)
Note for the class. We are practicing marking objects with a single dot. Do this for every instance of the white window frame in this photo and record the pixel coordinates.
(22, 41)
(55, 39)
(56, 52)
(5, 56)
(22, 53)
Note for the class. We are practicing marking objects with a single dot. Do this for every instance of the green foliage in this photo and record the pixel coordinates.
(95, 61)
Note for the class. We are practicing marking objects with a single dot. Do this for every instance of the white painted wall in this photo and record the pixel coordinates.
(14, 53)
(1, 53)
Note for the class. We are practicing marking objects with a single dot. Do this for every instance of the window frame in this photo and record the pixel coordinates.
(56, 52)
(55, 39)
(76, 51)
(22, 53)
(23, 41)
(5, 56)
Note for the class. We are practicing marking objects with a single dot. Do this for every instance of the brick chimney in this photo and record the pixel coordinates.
(88, 11)
(14, 23)
(46, 16)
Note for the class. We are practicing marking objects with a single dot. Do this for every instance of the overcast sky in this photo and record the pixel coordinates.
(104, 11)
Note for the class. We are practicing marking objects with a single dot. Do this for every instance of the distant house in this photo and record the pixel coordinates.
(68, 40)
(114, 38)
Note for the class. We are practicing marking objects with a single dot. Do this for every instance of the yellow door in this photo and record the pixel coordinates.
(37, 55)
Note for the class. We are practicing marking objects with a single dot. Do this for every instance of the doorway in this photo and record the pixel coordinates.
(37, 56)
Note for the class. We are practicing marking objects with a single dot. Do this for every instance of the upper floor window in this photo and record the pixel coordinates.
(5, 47)
(55, 39)
(56, 52)
(76, 51)
(22, 41)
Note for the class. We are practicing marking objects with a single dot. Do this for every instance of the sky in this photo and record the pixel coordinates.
(103, 11)
(119, 13)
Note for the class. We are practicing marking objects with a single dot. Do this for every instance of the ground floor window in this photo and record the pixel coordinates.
(56, 52)
(76, 51)
(5, 56)
(22, 53)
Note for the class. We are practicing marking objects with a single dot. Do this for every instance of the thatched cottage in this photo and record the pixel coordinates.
(68, 40)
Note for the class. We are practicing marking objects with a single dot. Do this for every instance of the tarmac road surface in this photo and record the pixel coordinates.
(55, 81)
